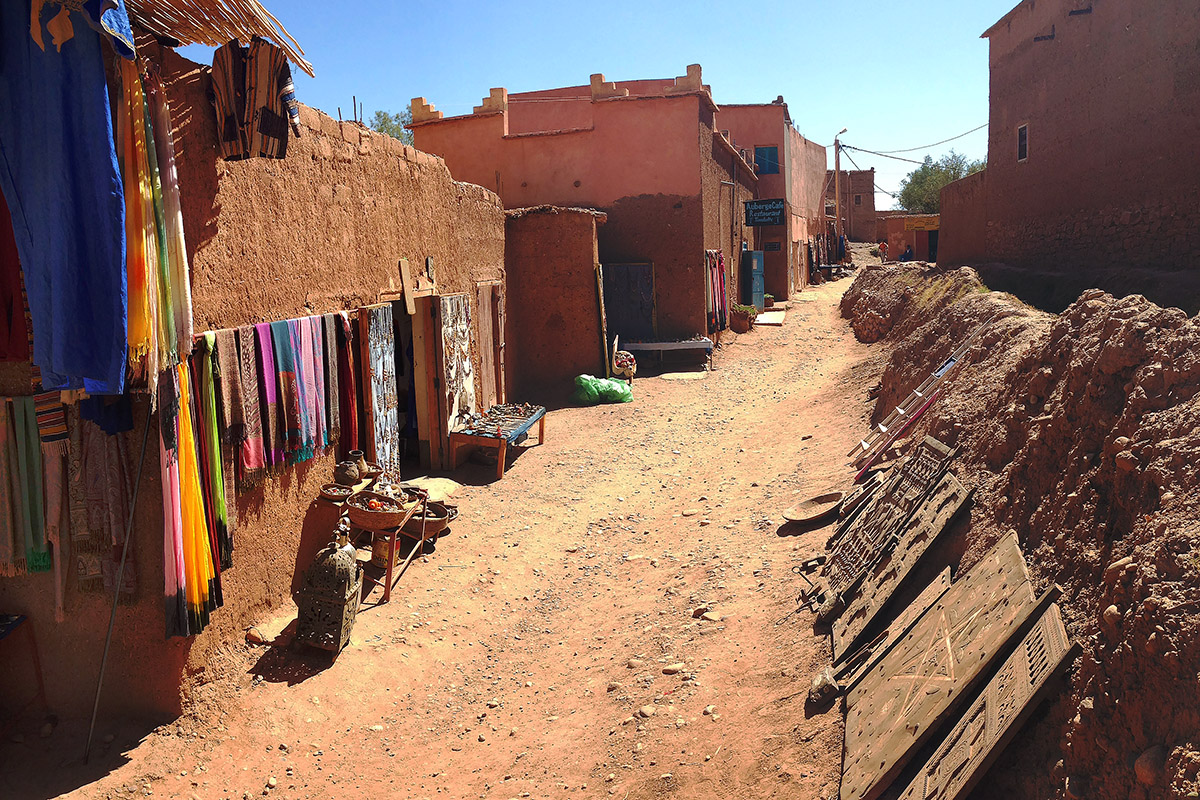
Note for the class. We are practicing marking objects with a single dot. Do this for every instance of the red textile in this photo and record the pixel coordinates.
(347, 387)
(14, 332)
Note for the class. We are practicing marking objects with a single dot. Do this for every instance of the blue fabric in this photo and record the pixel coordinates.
(60, 177)
(109, 17)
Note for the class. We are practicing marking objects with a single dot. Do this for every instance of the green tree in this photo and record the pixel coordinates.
(921, 191)
(393, 125)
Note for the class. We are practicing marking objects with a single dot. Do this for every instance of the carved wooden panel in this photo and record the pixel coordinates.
(458, 375)
(865, 602)
(859, 546)
(381, 407)
(856, 664)
(997, 715)
(919, 682)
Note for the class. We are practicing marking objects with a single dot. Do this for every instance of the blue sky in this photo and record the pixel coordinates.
(896, 74)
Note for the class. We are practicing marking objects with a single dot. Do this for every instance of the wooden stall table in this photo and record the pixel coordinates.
(391, 577)
(703, 344)
(497, 430)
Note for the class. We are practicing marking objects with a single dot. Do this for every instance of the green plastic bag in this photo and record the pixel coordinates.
(590, 391)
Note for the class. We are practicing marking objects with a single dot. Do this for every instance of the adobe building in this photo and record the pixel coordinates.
(790, 167)
(858, 202)
(645, 153)
(901, 229)
(1092, 177)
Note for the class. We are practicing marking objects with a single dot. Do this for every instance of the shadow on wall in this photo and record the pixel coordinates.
(1053, 290)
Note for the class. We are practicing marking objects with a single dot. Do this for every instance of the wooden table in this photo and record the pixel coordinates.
(507, 433)
(393, 534)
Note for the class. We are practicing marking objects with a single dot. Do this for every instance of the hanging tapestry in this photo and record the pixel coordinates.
(379, 399)
(458, 374)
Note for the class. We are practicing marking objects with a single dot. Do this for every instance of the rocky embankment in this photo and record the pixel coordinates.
(1082, 432)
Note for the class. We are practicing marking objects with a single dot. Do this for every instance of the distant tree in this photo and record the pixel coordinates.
(393, 124)
(921, 191)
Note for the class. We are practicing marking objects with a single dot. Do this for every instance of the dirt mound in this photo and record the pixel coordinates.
(1082, 432)
(883, 295)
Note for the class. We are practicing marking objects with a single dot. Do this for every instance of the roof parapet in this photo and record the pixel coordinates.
(423, 111)
(495, 102)
(602, 89)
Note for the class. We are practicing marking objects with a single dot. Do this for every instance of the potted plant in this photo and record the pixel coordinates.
(768, 300)
(741, 317)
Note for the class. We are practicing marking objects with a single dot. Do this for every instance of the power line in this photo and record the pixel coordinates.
(860, 169)
(885, 155)
(935, 144)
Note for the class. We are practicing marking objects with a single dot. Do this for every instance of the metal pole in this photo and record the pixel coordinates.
(112, 618)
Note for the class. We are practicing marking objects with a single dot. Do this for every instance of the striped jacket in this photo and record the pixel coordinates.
(254, 98)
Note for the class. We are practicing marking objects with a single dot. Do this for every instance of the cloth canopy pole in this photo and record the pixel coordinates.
(112, 618)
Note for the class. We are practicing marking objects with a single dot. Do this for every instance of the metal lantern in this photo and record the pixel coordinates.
(329, 598)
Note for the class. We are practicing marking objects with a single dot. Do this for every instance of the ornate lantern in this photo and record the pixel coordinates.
(328, 600)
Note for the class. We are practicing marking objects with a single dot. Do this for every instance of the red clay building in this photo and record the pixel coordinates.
(1092, 176)
(790, 167)
(646, 153)
(901, 229)
(858, 202)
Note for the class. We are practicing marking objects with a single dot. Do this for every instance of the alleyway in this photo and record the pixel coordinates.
(511, 661)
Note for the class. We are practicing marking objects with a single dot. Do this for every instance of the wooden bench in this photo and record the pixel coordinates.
(499, 440)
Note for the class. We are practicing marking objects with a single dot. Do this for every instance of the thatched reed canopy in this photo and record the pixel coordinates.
(215, 22)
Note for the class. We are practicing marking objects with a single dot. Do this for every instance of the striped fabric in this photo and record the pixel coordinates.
(255, 100)
(51, 418)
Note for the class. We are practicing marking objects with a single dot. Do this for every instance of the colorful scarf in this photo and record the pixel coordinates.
(141, 250)
(288, 387)
(333, 419)
(231, 403)
(12, 562)
(274, 434)
(207, 434)
(165, 348)
(85, 543)
(252, 458)
(30, 512)
(174, 564)
(313, 335)
(175, 282)
(202, 576)
(347, 386)
(301, 333)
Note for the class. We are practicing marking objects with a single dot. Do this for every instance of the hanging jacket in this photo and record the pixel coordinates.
(254, 98)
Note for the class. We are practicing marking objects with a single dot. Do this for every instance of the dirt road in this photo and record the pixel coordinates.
(549, 646)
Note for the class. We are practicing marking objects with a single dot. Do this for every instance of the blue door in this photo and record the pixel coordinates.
(753, 278)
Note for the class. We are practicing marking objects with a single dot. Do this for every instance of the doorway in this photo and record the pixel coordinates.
(933, 245)
(629, 301)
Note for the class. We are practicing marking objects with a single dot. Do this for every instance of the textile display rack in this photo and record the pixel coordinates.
(497, 428)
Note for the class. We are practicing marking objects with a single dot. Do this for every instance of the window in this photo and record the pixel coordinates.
(1022, 143)
(858, 199)
(766, 160)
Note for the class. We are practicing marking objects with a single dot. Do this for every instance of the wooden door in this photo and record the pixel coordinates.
(629, 301)
(488, 387)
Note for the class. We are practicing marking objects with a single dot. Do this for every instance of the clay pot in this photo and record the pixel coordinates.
(346, 473)
(360, 461)
(768, 302)
(740, 323)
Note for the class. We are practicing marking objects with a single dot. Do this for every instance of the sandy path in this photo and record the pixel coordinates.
(513, 661)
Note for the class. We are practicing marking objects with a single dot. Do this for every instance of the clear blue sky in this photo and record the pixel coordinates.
(897, 74)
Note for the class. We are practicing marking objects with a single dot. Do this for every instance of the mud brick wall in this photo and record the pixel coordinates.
(553, 313)
(319, 231)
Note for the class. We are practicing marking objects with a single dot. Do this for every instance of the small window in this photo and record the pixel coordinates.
(766, 159)
(1022, 143)
(858, 199)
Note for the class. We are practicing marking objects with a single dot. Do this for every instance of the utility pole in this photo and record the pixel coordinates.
(837, 190)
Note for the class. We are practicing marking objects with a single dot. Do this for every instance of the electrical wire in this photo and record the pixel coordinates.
(935, 144)
(884, 155)
(877, 186)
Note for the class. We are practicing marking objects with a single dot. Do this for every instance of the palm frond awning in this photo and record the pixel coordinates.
(215, 22)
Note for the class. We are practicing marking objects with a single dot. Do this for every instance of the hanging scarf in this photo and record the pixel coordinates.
(274, 433)
(179, 283)
(210, 449)
(288, 387)
(174, 564)
(29, 510)
(202, 577)
(251, 456)
(52, 431)
(160, 299)
(312, 334)
(232, 424)
(109, 487)
(85, 543)
(332, 412)
(12, 559)
(141, 251)
(347, 386)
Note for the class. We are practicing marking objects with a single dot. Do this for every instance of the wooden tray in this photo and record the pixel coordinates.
(815, 508)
